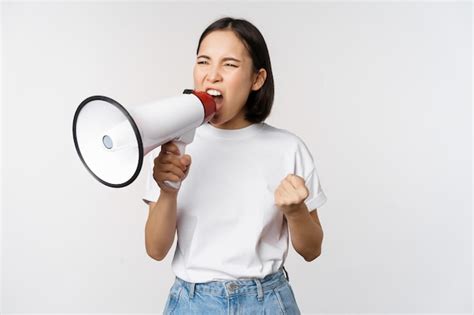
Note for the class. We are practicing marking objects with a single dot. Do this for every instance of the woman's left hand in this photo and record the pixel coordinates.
(291, 194)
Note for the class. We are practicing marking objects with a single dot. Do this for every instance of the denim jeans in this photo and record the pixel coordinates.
(270, 295)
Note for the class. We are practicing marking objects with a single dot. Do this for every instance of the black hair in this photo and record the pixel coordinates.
(259, 103)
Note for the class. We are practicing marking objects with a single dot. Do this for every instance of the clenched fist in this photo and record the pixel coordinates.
(291, 194)
(169, 166)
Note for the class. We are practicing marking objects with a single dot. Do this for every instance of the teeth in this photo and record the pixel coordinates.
(213, 92)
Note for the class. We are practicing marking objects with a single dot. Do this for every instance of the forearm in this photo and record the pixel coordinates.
(306, 234)
(160, 227)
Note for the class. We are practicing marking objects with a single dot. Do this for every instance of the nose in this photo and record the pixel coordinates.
(213, 75)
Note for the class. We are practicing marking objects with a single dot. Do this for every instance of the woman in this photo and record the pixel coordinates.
(249, 184)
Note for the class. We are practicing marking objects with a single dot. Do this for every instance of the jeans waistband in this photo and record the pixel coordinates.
(227, 288)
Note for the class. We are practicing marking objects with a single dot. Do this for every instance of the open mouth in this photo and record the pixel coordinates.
(217, 96)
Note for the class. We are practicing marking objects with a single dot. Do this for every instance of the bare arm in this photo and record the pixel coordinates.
(160, 227)
(306, 233)
(305, 229)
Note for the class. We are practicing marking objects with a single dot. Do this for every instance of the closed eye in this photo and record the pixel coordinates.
(205, 62)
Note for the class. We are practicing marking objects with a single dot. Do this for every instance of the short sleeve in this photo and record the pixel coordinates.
(152, 190)
(306, 168)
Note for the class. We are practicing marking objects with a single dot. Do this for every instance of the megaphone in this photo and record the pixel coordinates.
(111, 141)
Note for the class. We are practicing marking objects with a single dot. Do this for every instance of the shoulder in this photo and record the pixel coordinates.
(285, 137)
(290, 145)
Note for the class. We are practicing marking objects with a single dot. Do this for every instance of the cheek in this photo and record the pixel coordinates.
(243, 90)
(197, 76)
(241, 85)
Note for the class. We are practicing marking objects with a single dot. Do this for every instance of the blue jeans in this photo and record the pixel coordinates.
(270, 295)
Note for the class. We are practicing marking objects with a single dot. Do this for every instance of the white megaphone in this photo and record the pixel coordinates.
(111, 141)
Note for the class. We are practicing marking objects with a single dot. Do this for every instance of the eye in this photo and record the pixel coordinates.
(230, 65)
(202, 62)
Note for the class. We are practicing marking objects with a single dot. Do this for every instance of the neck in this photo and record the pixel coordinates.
(236, 123)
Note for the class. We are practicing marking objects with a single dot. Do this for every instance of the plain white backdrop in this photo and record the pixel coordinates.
(379, 91)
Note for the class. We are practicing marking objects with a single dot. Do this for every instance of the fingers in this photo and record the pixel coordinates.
(165, 159)
(169, 166)
(170, 147)
(166, 176)
(289, 191)
(177, 166)
(295, 180)
(173, 169)
(186, 160)
(299, 185)
(293, 188)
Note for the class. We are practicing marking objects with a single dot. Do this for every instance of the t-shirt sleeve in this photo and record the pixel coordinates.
(306, 168)
(152, 190)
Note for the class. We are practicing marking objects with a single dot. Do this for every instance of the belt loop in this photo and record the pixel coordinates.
(286, 274)
(191, 290)
(259, 290)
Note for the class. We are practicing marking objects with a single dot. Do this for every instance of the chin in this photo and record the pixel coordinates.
(216, 121)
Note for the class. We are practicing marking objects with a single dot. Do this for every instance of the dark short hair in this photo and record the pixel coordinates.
(259, 103)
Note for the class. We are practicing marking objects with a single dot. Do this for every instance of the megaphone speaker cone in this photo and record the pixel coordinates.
(108, 141)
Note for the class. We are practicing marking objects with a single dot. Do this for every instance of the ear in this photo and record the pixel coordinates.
(259, 79)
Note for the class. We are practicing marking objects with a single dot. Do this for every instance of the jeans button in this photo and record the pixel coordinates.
(231, 286)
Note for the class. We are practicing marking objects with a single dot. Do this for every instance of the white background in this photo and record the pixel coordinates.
(379, 91)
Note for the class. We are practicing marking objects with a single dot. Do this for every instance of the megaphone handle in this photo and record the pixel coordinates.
(181, 143)
(181, 147)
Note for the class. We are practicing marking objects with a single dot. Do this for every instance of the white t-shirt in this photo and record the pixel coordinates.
(227, 223)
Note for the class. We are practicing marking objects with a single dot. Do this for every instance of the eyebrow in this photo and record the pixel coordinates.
(224, 59)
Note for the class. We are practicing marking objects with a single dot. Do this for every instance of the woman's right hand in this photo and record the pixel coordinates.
(169, 166)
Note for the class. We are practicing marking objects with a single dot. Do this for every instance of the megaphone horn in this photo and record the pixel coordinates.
(111, 141)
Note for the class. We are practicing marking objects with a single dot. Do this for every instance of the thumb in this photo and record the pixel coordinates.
(186, 159)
